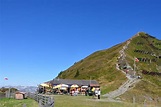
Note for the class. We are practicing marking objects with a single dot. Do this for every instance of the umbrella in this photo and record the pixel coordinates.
(57, 86)
(84, 86)
(61, 86)
(64, 85)
(44, 85)
(74, 86)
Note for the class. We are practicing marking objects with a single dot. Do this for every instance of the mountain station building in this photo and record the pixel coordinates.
(90, 83)
(67, 86)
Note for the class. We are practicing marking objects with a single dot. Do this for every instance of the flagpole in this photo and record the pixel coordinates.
(9, 88)
(135, 60)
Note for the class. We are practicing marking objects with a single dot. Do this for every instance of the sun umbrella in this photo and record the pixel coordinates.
(57, 86)
(74, 86)
(61, 86)
(44, 85)
(64, 85)
(84, 86)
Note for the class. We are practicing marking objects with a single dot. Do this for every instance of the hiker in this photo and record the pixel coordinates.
(86, 92)
(99, 93)
(96, 92)
(76, 92)
(93, 92)
(72, 93)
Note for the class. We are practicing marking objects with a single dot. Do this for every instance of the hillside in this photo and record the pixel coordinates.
(102, 66)
(99, 66)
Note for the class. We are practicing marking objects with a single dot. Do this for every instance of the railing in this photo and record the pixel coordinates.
(2, 95)
(43, 100)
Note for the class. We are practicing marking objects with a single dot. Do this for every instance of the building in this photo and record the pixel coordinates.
(20, 95)
(69, 82)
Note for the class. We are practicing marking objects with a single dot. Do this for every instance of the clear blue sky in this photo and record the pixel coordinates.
(40, 38)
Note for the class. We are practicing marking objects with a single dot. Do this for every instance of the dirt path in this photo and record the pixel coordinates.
(132, 79)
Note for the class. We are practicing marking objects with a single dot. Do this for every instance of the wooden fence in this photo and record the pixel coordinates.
(43, 100)
(2, 95)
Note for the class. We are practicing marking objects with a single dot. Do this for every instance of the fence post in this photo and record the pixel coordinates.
(43, 100)
(40, 103)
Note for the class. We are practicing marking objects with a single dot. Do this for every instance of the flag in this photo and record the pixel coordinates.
(136, 59)
(5, 78)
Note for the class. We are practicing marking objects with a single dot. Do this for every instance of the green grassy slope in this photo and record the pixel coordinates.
(101, 65)
(150, 86)
(152, 66)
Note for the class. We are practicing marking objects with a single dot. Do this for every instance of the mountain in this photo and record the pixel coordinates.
(139, 56)
(30, 89)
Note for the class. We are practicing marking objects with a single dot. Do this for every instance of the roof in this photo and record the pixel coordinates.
(94, 85)
(71, 82)
(20, 92)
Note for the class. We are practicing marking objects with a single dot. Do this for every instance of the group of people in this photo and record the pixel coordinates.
(90, 91)
(74, 92)
(95, 92)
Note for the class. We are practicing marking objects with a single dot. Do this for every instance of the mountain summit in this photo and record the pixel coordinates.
(140, 56)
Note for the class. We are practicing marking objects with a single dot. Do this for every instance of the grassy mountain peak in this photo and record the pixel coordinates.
(101, 65)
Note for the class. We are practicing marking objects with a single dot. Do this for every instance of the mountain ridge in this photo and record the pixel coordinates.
(102, 65)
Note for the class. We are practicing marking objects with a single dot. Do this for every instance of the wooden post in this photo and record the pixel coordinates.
(40, 103)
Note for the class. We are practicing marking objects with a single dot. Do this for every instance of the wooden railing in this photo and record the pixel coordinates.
(43, 100)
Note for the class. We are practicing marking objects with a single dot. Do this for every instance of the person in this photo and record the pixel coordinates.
(99, 93)
(76, 92)
(96, 92)
(68, 90)
(86, 92)
(93, 91)
(72, 93)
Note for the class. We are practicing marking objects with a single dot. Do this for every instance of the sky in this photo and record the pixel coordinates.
(40, 38)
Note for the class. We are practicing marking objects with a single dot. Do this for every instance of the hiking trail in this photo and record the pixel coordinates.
(132, 78)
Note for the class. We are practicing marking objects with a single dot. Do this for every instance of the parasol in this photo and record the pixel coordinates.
(74, 86)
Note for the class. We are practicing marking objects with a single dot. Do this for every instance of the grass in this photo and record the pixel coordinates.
(79, 101)
(88, 101)
(9, 102)
(101, 66)
(73, 101)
